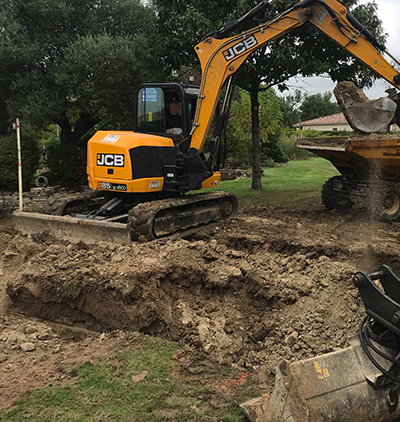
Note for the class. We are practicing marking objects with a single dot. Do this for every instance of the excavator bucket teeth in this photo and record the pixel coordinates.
(338, 386)
(362, 114)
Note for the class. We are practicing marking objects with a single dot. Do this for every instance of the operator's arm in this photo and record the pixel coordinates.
(220, 58)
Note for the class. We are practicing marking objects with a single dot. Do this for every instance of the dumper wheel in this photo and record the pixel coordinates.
(334, 199)
(391, 205)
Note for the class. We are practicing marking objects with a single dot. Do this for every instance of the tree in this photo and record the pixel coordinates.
(75, 63)
(305, 51)
(317, 105)
(239, 129)
(183, 24)
(290, 108)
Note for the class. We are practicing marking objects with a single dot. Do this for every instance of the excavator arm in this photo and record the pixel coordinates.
(221, 58)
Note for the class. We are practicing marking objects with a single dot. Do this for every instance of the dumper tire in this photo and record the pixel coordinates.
(391, 205)
(333, 199)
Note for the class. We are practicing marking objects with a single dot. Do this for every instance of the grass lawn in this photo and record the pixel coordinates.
(288, 185)
(144, 383)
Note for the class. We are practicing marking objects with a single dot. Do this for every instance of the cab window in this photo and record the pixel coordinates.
(151, 110)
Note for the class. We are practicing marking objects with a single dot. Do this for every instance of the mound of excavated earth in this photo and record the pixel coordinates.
(271, 285)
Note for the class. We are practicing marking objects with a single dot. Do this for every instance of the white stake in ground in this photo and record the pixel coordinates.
(16, 127)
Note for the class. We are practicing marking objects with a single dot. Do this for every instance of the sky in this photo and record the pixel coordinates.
(389, 13)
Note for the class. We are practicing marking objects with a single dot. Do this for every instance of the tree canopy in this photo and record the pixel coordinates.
(305, 51)
(75, 63)
(317, 105)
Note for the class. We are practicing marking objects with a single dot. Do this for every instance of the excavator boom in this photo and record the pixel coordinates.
(221, 58)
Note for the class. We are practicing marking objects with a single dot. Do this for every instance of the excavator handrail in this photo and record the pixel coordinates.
(221, 58)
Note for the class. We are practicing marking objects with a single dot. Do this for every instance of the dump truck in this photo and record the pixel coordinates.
(368, 163)
(369, 169)
(148, 172)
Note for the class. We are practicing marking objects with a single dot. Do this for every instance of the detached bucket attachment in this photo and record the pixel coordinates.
(362, 114)
(357, 384)
(329, 388)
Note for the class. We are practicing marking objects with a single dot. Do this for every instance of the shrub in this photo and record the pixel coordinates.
(287, 143)
(30, 156)
(288, 138)
(269, 162)
(271, 150)
(6, 207)
(66, 164)
(309, 133)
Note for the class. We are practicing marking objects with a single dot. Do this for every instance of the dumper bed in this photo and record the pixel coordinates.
(361, 155)
(370, 172)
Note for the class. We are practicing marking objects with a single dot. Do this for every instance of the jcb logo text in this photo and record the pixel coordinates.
(110, 160)
(240, 48)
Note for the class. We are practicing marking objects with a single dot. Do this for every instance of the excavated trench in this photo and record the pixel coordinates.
(273, 284)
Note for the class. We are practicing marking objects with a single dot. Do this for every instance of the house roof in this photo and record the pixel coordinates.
(337, 118)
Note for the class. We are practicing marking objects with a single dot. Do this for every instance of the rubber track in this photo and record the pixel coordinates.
(141, 218)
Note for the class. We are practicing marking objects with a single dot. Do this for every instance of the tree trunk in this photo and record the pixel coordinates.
(83, 125)
(255, 135)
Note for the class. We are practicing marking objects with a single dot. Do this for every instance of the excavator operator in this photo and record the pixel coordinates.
(173, 118)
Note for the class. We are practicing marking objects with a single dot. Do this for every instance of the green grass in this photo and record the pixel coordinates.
(291, 184)
(106, 392)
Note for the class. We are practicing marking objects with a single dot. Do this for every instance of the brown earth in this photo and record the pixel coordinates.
(271, 285)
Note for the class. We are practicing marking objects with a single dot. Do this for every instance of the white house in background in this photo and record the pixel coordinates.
(333, 122)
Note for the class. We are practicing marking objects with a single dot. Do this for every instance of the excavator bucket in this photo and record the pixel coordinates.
(329, 388)
(357, 384)
(362, 114)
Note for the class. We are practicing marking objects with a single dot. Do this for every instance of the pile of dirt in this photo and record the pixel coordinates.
(268, 286)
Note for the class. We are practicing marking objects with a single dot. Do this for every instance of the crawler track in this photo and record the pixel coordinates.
(152, 220)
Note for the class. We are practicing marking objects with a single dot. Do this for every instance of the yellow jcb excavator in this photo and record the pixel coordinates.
(149, 171)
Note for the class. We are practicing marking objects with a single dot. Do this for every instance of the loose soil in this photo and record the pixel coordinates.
(273, 284)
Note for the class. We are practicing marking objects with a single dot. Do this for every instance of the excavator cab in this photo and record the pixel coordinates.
(153, 106)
